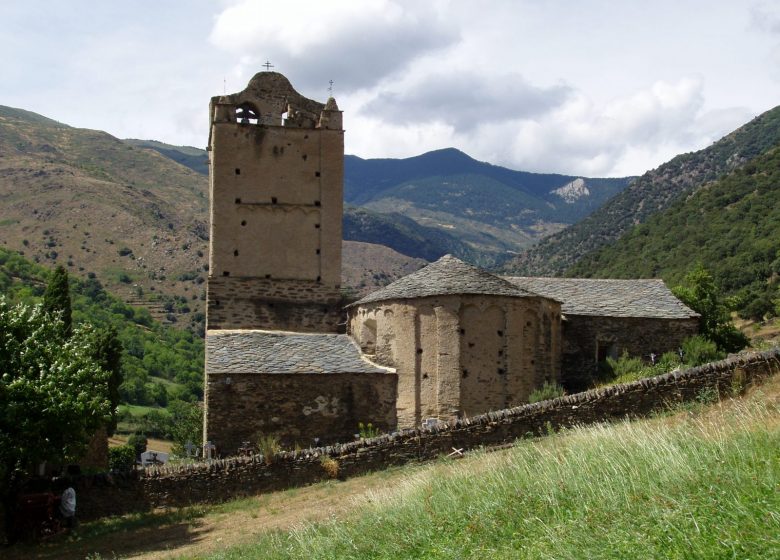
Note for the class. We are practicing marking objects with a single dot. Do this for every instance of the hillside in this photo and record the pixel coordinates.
(194, 158)
(732, 226)
(653, 192)
(493, 210)
(369, 266)
(127, 214)
(86, 200)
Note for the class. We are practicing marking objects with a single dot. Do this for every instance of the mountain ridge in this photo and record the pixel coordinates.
(654, 191)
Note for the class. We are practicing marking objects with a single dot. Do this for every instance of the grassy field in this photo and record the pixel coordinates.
(704, 486)
(700, 482)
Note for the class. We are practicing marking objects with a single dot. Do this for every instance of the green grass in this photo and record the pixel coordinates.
(168, 384)
(138, 410)
(701, 485)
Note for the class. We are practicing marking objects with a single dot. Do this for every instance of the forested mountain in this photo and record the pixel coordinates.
(653, 192)
(731, 226)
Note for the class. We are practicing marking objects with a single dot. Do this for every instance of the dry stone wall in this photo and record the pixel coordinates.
(227, 479)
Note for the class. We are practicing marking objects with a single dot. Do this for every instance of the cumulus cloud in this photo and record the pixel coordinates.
(573, 134)
(467, 100)
(355, 44)
(627, 134)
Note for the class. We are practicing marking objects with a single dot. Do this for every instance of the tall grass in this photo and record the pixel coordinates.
(704, 486)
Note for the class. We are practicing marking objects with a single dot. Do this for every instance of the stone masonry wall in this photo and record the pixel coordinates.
(274, 304)
(227, 479)
(638, 336)
(299, 406)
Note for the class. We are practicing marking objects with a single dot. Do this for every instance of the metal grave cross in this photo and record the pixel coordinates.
(190, 448)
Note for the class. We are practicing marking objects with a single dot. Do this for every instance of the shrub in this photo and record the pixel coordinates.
(138, 443)
(546, 392)
(121, 458)
(367, 431)
(269, 446)
(699, 350)
(330, 466)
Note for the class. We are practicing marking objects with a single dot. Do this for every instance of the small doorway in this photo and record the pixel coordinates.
(606, 349)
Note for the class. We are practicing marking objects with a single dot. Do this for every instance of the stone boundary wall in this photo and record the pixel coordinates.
(222, 480)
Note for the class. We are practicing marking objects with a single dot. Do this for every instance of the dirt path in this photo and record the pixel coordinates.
(225, 527)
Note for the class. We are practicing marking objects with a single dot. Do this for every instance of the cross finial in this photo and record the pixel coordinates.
(267, 65)
(330, 89)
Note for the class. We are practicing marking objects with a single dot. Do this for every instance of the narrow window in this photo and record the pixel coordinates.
(238, 171)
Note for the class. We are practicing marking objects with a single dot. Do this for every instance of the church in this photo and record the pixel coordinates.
(288, 356)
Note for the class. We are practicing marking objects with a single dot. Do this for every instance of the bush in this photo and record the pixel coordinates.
(269, 446)
(367, 431)
(626, 368)
(121, 458)
(330, 466)
(138, 443)
(546, 392)
(699, 350)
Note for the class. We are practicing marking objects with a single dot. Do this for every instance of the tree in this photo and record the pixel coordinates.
(186, 424)
(53, 395)
(700, 293)
(56, 299)
(107, 352)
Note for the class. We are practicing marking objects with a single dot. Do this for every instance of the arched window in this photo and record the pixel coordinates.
(246, 114)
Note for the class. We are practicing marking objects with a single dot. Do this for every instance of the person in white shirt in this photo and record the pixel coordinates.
(67, 508)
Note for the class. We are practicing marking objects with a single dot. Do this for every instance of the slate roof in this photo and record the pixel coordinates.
(447, 276)
(255, 351)
(609, 298)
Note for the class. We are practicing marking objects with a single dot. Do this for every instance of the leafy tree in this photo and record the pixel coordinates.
(56, 298)
(121, 458)
(186, 424)
(138, 442)
(53, 395)
(700, 293)
(107, 352)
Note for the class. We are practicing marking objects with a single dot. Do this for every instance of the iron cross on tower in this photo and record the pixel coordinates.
(267, 65)
(330, 89)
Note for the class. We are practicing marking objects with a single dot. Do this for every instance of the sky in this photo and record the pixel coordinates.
(586, 87)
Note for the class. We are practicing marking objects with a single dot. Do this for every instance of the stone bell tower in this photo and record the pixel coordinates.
(276, 199)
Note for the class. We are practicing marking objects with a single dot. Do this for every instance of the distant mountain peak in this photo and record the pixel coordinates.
(572, 191)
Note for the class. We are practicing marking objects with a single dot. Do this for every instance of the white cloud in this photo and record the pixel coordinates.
(591, 87)
(466, 100)
(356, 44)
(624, 136)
